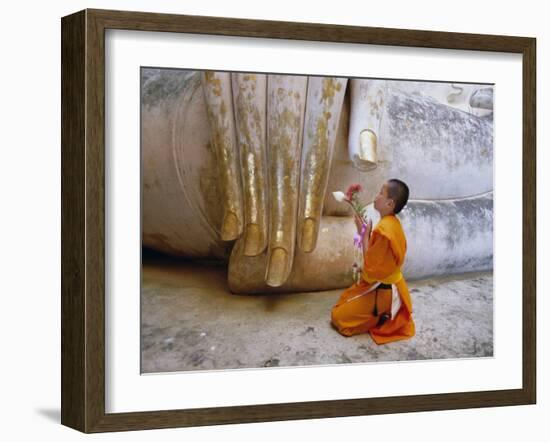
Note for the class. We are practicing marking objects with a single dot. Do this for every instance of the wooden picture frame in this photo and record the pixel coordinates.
(83, 220)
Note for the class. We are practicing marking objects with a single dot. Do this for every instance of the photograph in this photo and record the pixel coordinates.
(302, 220)
(267, 220)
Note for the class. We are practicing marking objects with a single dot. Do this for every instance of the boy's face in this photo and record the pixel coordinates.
(382, 202)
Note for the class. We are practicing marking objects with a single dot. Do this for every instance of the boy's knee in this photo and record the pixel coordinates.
(343, 331)
(336, 321)
(335, 317)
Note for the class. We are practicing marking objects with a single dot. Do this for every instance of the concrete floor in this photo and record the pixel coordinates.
(190, 321)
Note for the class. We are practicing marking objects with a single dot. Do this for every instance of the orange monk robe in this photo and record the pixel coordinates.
(354, 311)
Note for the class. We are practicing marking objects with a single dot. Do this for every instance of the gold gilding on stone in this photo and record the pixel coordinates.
(230, 227)
(254, 241)
(316, 167)
(220, 116)
(250, 120)
(277, 267)
(317, 156)
(330, 87)
(286, 101)
(213, 82)
(308, 237)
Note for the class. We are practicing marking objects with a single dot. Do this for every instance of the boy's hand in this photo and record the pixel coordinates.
(358, 223)
(369, 229)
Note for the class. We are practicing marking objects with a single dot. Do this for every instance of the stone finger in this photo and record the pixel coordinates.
(249, 99)
(286, 96)
(325, 96)
(219, 104)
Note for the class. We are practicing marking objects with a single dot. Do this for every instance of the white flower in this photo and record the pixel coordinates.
(339, 196)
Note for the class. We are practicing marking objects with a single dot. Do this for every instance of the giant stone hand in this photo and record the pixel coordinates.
(210, 145)
(273, 136)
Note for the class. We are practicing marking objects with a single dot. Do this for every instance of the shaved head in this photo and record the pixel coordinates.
(398, 191)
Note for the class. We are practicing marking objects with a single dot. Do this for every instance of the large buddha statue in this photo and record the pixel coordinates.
(241, 167)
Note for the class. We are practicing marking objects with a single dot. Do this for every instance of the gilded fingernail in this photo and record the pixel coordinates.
(308, 239)
(368, 146)
(230, 227)
(276, 273)
(253, 240)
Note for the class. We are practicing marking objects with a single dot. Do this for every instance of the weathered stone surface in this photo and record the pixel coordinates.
(439, 151)
(482, 98)
(190, 321)
(447, 237)
(181, 207)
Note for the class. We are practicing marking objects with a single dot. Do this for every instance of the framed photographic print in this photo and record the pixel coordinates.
(270, 220)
